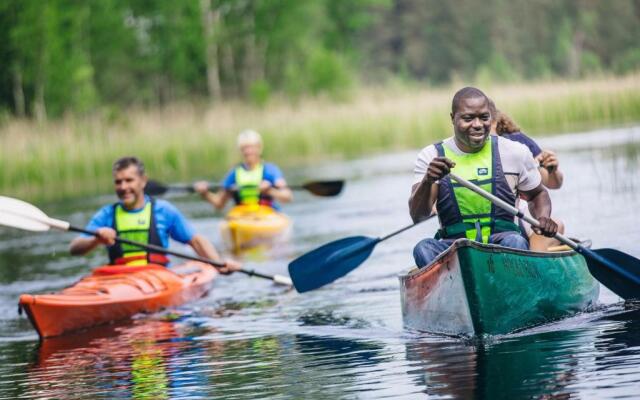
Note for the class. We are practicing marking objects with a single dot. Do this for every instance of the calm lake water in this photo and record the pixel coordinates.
(250, 339)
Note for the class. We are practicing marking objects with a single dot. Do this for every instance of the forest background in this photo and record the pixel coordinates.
(82, 83)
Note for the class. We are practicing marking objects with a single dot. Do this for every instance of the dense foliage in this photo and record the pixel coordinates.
(76, 56)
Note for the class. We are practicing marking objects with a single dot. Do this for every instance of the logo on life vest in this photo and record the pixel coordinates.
(483, 171)
(142, 222)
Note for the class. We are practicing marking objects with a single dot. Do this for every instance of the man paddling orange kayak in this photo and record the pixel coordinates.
(141, 218)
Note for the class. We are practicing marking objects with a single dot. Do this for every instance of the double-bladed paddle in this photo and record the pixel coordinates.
(319, 188)
(22, 215)
(335, 259)
(618, 271)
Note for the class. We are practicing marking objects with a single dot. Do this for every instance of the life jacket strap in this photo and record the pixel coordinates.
(459, 229)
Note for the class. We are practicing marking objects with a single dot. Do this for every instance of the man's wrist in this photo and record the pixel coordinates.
(427, 180)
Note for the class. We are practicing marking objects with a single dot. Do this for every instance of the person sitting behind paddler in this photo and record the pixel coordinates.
(141, 218)
(552, 178)
(503, 125)
(500, 166)
(252, 181)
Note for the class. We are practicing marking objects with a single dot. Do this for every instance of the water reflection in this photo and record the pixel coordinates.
(542, 365)
(249, 339)
(142, 360)
(159, 359)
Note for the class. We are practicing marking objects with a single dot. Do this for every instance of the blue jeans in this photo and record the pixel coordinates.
(428, 249)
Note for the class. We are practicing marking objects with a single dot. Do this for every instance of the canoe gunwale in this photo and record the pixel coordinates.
(494, 248)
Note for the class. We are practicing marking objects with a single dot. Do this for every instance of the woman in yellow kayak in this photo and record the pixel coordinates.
(251, 182)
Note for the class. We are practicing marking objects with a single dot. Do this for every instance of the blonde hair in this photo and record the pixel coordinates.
(249, 136)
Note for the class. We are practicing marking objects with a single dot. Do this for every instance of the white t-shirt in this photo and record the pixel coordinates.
(518, 165)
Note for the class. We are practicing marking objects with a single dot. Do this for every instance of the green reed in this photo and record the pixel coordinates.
(73, 157)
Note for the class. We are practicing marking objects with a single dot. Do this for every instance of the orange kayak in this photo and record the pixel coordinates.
(112, 293)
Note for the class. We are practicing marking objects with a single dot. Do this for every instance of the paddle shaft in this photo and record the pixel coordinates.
(213, 188)
(356, 248)
(511, 209)
(65, 226)
(160, 249)
(28, 217)
(399, 231)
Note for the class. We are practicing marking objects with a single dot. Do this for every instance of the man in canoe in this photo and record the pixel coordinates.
(503, 167)
(548, 165)
(140, 218)
(251, 182)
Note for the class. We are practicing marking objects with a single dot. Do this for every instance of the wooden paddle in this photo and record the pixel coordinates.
(618, 271)
(335, 259)
(319, 188)
(22, 215)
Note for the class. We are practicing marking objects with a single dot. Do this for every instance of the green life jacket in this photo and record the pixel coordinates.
(139, 227)
(248, 183)
(462, 212)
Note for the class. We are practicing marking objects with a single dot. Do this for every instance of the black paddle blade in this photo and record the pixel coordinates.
(155, 188)
(324, 188)
(618, 271)
(330, 262)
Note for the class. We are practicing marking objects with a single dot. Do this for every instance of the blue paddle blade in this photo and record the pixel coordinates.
(330, 262)
(618, 271)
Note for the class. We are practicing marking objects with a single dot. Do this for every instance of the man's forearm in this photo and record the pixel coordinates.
(422, 199)
(540, 205)
(204, 248)
(83, 245)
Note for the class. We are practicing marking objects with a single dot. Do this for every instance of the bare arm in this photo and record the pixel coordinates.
(217, 199)
(82, 245)
(552, 177)
(279, 192)
(540, 208)
(423, 197)
(205, 249)
(425, 193)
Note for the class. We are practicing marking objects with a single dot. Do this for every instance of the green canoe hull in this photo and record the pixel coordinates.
(475, 289)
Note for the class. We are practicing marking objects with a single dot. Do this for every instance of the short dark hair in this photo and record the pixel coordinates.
(465, 93)
(126, 162)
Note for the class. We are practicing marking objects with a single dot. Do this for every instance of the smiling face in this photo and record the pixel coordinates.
(472, 123)
(129, 186)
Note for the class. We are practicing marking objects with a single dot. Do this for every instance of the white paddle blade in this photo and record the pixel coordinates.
(282, 280)
(22, 215)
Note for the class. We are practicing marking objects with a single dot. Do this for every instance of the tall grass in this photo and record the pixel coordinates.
(73, 157)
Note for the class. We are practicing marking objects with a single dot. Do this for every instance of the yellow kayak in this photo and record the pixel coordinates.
(247, 226)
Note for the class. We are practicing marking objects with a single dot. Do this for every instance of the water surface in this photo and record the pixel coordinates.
(249, 339)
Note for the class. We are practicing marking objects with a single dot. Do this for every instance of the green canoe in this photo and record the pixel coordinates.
(475, 289)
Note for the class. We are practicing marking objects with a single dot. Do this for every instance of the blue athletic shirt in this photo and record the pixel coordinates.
(170, 222)
(525, 140)
(271, 173)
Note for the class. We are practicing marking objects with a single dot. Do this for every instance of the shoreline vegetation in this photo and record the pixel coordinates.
(72, 157)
